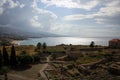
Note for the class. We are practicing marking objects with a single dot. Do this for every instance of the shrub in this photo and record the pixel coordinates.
(36, 58)
(24, 58)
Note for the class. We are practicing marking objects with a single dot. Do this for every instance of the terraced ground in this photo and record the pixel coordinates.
(71, 68)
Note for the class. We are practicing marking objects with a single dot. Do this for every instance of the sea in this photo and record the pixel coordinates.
(53, 41)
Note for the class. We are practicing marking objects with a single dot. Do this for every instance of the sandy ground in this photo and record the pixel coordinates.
(16, 42)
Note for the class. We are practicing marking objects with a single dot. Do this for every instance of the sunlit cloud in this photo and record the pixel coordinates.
(77, 17)
(9, 4)
(88, 5)
(1, 11)
(110, 14)
(42, 11)
(22, 5)
(34, 22)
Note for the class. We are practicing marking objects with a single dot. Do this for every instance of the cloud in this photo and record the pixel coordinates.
(101, 32)
(87, 5)
(15, 16)
(25, 15)
(66, 29)
(86, 31)
(13, 4)
(1, 11)
(47, 15)
(9, 4)
(34, 22)
(2, 2)
(42, 11)
(110, 14)
(22, 5)
(43, 19)
(77, 17)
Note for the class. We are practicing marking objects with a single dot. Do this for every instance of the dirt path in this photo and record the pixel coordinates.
(44, 67)
(20, 77)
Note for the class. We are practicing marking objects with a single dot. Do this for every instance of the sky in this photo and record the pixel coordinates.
(83, 18)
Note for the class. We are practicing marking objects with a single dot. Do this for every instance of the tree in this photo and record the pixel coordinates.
(39, 45)
(4, 70)
(25, 59)
(5, 56)
(5, 42)
(36, 58)
(92, 44)
(1, 59)
(44, 46)
(23, 53)
(13, 61)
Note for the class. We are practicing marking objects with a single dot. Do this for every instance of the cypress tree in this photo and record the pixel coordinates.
(39, 45)
(13, 60)
(1, 59)
(5, 56)
(44, 45)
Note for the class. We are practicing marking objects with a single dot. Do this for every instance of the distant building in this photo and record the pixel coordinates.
(114, 43)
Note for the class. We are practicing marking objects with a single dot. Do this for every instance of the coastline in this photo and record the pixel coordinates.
(16, 42)
(53, 41)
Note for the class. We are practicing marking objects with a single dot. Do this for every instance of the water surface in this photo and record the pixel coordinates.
(52, 41)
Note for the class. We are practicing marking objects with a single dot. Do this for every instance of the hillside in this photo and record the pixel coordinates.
(12, 33)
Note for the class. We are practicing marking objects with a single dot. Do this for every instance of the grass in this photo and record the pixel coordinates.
(85, 60)
(31, 49)
(28, 49)
(55, 49)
